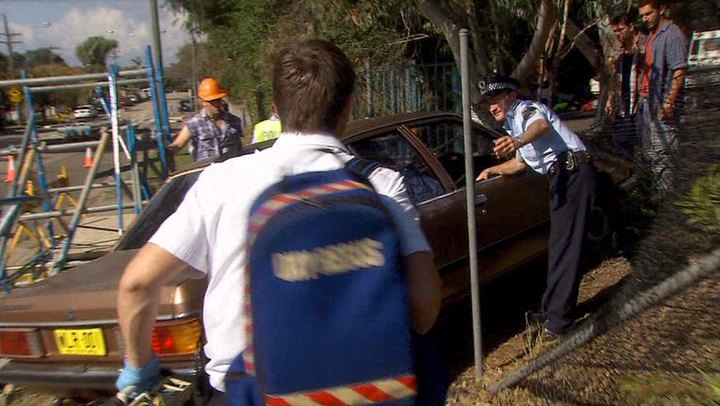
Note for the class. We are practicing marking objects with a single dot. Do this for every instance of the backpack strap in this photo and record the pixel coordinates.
(361, 167)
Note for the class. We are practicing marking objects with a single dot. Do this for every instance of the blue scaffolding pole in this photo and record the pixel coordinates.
(159, 136)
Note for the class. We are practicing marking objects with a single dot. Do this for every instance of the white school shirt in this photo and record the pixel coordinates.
(208, 229)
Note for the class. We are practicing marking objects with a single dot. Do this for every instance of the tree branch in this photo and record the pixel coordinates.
(545, 22)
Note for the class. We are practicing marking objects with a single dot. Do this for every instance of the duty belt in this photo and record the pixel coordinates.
(569, 161)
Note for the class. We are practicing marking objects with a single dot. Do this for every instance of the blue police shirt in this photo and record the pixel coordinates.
(541, 153)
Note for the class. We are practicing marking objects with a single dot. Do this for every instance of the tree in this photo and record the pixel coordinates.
(93, 51)
(242, 35)
(42, 56)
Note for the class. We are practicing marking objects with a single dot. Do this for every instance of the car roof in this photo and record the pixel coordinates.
(353, 129)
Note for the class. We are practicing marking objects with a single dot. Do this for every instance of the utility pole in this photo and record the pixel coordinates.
(194, 70)
(9, 42)
(160, 76)
(157, 44)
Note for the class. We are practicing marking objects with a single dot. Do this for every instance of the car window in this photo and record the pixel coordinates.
(163, 204)
(445, 140)
(394, 151)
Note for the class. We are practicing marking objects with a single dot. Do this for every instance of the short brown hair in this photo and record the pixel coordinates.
(625, 19)
(656, 4)
(312, 82)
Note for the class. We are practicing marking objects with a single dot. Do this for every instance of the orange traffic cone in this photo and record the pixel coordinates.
(10, 177)
(89, 160)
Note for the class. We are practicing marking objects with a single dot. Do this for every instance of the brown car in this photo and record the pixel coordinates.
(63, 331)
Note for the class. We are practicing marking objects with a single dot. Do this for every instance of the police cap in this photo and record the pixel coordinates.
(493, 84)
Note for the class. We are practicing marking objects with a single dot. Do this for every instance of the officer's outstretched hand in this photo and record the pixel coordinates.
(142, 379)
(485, 174)
(505, 145)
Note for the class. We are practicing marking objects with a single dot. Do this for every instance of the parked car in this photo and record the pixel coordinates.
(85, 111)
(134, 98)
(145, 93)
(703, 75)
(124, 101)
(63, 331)
(186, 105)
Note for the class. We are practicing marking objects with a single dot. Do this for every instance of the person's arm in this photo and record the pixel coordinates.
(424, 290)
(138, 296)
(510, 167)
(676, 86)
(423, 280)
(507, 145)
(180, 141)
(676, 60)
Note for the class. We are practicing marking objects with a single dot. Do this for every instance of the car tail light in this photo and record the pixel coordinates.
(176, 337)
(20, 342)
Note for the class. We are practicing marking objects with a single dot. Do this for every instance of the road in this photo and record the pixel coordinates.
(104, 225)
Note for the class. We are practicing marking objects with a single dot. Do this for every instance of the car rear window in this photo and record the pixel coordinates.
(162, 205)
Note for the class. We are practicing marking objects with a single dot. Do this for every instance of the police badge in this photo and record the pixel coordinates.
(528, 112)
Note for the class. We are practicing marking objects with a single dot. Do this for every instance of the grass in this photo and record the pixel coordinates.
(701, 388)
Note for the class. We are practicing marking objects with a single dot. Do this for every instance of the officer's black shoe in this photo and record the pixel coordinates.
(534, 319)
(549, 337)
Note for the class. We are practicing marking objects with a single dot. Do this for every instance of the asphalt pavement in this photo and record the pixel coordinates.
(97, 231)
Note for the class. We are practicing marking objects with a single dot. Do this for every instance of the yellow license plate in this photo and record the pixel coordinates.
(89, 341)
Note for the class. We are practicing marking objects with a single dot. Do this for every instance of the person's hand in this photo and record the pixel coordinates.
(667, 112)
(485, 174)
(506, 145)
(141, 379)
(609, 109)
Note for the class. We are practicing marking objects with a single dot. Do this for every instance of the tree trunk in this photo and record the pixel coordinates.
(583, 43)
(440, 17)
(545, 23)
(606, 72)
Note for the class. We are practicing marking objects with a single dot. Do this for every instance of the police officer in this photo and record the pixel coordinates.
(213, 131)
(540, 141)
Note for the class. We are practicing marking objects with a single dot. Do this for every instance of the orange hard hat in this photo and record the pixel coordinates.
(209, 89)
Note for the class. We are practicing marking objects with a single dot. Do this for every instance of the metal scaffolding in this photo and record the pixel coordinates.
(52, 258)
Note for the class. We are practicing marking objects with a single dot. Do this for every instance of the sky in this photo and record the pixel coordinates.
(66, 23)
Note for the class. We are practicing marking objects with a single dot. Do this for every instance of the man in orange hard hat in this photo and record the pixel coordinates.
(213, 131)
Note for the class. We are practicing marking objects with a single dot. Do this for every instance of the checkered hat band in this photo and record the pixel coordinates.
(497, 86)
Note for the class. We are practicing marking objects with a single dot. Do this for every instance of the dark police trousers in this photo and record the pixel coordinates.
(572, 194)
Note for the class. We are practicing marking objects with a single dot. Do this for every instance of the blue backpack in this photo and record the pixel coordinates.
(327, 314)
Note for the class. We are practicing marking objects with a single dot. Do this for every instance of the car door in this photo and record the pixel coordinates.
(511, 212)
(439, 208)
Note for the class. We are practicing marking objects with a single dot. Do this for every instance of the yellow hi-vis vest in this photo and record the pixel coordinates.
(266, 130)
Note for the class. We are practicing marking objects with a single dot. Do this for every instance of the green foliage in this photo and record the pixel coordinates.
(663, 388)
(702, 204)
(42, 56)
(243, 35)
(94, 51)
(712, 381)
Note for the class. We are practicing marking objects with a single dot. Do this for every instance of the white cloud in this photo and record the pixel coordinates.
(132, 34)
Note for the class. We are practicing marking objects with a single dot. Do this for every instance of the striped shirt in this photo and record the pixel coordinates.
(669, 53)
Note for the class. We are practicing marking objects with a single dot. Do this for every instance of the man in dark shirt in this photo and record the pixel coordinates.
(622, 102)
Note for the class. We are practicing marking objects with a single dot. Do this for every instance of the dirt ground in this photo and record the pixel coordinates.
(655, 359)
